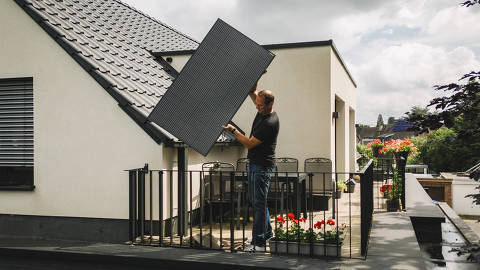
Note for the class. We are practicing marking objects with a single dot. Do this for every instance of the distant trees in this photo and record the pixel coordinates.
(359, 127)
(380, 121)
(470, 3)
(459, 113)
(391, 120)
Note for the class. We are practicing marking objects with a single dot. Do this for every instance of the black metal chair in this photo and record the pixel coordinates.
(217, 176)
(323, 183)
(241, 174)
(216, 185)
(285, 167)
(242, 166)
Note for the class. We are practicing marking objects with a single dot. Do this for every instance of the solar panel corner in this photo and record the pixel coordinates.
(211, 87)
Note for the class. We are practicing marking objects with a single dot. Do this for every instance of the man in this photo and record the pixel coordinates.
(261, 154)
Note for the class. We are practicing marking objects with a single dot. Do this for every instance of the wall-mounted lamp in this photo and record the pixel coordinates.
(335, 115)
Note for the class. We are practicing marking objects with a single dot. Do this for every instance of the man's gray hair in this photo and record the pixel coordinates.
(267, 95)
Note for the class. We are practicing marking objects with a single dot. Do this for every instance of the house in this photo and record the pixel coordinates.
(400, 129)
(87, 73)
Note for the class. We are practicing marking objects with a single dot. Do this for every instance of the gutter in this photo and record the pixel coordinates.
(277, 46)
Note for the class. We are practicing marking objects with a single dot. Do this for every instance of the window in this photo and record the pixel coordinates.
(16, 134)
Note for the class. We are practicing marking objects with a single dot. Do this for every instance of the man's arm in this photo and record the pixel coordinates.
(253, 94)
(249, 143)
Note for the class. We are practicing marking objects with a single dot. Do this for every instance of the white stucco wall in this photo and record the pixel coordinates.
(343, 89)
(83, 140)
(302, 80)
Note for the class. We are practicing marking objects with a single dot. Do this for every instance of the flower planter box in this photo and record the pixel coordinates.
(338, 194)
(375, 150)
(319, 249)
(393, 205)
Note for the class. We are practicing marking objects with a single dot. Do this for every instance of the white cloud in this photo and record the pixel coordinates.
(397, 77)
(396, 50)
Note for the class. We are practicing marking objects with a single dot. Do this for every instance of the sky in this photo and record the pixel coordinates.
(396, 50)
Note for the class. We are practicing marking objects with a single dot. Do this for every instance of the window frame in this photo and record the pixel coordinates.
(16, 134)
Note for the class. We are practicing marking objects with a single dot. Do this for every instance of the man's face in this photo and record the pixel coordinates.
(261, 107)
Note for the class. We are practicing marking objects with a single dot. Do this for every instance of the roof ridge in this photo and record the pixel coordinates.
(156, 20)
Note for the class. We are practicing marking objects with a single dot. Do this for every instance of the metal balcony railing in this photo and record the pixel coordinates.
(210, 210)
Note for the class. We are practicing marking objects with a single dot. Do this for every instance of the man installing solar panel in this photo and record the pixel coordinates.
(261, 154)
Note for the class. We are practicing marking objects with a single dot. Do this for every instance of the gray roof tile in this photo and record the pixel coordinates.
(115, 41)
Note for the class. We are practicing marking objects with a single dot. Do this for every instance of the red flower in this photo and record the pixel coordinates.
(295, 221)
(379, 151)
(302, 219)
(317, 225)
(291, 216)
(322, 222)
(330, 222)
(280, 219)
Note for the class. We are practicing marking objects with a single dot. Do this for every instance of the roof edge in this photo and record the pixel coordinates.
(156, 135)
(279, 46)
(156, 20)
(337, 53)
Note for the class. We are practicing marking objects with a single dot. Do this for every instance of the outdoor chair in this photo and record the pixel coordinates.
(285, 172)
(241, 174)
(242, 166)
(322, 183)
(216, 185)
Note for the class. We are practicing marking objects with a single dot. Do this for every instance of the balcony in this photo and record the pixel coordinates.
(209, 210)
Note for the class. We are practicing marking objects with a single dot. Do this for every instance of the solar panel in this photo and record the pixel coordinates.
(211, 87)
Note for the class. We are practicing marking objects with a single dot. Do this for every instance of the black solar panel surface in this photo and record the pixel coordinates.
(211, 87)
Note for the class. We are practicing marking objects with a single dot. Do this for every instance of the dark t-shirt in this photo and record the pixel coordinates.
(265, 128)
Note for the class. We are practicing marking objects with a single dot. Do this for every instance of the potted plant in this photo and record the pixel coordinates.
(400, 148)
(326, 241)
(393, 192)
(350, 186)
(385, 189)
(376, 145)
(341, 186)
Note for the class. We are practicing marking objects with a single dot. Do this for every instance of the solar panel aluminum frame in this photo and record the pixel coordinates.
(211, 87)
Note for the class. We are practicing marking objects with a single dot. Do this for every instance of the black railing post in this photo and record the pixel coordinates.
(160, 208)
(182, 190)
(232, 211)
(402, 162)
(366, 205)
(141, 203)
(202, 199)
(151, 207)
(132, 205)
(170, 182)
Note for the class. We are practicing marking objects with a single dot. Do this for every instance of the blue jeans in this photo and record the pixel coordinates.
(258, 182)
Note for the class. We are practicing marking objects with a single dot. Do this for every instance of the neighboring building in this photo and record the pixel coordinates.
(86, 74)
(461, 187)
(400, 129)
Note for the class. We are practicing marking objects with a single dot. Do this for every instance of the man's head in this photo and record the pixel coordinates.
(264, 101)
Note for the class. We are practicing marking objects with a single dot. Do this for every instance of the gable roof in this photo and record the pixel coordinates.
(112, 42)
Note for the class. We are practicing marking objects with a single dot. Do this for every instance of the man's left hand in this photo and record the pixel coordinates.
(228, 127)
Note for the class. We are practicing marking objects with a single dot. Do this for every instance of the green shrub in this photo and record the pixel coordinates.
(365, 155)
